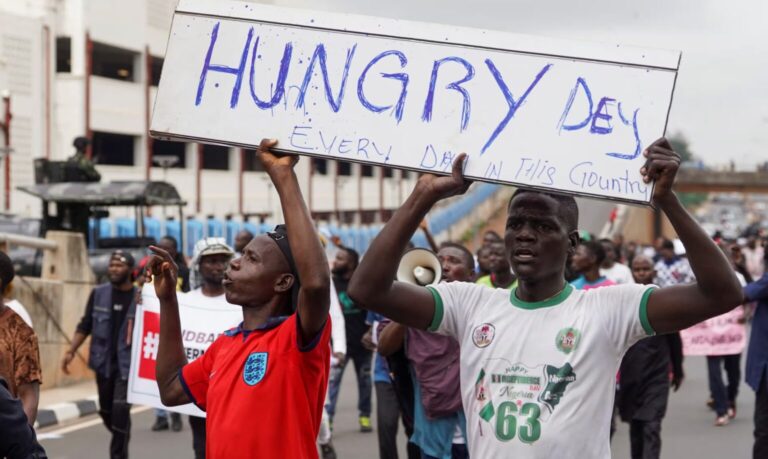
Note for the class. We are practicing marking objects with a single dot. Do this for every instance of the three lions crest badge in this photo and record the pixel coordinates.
(255, 368)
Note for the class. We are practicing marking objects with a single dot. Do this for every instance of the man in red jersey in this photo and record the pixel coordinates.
(262, 384)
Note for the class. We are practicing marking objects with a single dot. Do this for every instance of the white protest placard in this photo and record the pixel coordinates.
(529, 111)
(202, 321)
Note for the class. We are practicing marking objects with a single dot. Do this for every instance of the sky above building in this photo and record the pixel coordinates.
(721, 97)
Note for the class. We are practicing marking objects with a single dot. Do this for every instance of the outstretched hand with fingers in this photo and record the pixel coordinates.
(662, 163)
(163, 272)
(440, 187)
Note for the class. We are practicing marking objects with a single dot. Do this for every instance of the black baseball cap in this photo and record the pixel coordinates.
(280, 236)
(123, 257)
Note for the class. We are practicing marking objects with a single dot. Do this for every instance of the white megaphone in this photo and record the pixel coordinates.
(419, 267)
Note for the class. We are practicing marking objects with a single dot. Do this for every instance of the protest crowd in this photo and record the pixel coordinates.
(525, 337)
(409, 365)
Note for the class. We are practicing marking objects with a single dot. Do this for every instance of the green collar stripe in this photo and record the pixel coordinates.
(554, 301)
(437, 319)
(644, 313)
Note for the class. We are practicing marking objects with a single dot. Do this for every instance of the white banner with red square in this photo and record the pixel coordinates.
(202, 321)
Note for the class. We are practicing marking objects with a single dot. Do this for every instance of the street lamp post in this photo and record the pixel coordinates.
(165, 161)
(268, 182)
(5, 152)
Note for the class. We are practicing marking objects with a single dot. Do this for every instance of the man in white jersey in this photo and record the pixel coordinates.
(617, 272)
(210, 259)
(538, 364)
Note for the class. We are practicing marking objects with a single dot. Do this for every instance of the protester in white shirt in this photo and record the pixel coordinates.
(612, 269)
(539, 363)
(210, 259)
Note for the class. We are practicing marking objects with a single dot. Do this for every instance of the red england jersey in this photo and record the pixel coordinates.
(263, 393)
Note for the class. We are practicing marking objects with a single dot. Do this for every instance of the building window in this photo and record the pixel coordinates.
(156, 64)
(215, 157)
(368, 216)
(388, 172)
(404, 174)
(111, 62)
(169, 154)
(366, 170)
(347, 217)
(113, 149)
(320, 166)
(321, 216)
(63, 55)
(343, 168)
(251, 162)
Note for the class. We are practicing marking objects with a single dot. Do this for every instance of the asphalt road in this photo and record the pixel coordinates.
(89, 439)
(688, 430)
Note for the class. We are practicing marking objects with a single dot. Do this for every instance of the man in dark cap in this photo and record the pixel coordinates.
(109, 317)
(262, 383)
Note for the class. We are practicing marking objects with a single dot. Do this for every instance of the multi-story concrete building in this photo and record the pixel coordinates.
(91, 67)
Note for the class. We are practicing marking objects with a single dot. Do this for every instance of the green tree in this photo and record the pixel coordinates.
(681, 145)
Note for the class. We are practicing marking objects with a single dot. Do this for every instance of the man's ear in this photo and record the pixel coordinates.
(573, 241)
(284, 282)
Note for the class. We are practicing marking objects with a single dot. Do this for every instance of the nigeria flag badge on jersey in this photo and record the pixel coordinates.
(255, 368)
(567, 340)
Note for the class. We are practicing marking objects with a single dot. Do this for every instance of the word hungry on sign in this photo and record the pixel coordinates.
(528, 111)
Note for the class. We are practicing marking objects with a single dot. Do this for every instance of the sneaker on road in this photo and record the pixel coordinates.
(176, 422)
(365, 424)
(161, 423)
(721, 421)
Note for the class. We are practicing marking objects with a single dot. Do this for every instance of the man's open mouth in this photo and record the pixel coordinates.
(524, 255)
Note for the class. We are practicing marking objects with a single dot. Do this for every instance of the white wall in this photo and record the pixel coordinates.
(158, 17)
(117, 23)
(22, 74)
(27, 8)
(323, 191)
(68, 114)
(117, 106)
(370, 192)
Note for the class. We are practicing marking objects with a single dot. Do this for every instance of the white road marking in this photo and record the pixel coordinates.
(56, 434)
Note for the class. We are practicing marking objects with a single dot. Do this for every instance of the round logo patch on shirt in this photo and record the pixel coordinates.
(483, 335)
(567, 340)
(255, 368)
